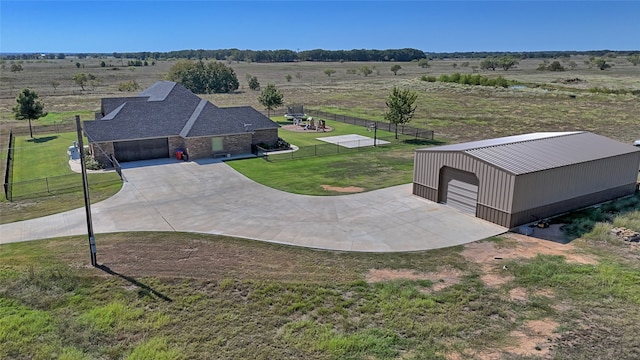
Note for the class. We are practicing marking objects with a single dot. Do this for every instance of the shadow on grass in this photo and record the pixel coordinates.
(578, 223)
(135, 282)
(43, 139)
(424, 142)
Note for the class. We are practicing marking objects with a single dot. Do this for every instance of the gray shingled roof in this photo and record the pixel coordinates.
(169, 109)
(528, 153)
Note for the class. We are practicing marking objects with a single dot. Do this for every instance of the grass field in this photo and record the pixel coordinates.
(43, 182)
(456, 112)
(189, 296)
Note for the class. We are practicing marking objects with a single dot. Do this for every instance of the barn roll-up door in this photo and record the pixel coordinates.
(462, 196)
(141, 149)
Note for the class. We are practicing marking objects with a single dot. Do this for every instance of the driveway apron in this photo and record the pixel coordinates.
(210, 197)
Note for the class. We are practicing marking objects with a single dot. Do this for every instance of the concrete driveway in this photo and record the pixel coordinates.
(210, 197)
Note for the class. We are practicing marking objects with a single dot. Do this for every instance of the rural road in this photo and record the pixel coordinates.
(210, 197)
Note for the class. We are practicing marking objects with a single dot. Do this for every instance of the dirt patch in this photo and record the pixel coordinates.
(518, 294)
(534, 338)
(491, 256)
(522, 246)
(348, 189)
(440, 279)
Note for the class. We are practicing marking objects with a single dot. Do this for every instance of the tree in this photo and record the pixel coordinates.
(270, 98)
(634, 59)
(61, 56)
(364, 69)
(329, 72)
(401, 108)
(507, 62)
(130, 85)
(78, 65)
(395, 69)
(253, 82)
(81, 80)
(28, 107)
(555, 66)
(423, 63)
(204, 78)
(601, 64)
(489, 63)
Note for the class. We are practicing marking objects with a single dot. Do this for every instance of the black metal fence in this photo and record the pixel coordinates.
(8, 171)
(381, 125)
(54, 185)
(337, 148)
(46, 129)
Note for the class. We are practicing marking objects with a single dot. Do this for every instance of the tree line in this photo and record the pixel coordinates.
(266, 56)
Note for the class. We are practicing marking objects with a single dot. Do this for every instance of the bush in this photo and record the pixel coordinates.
(468, 79)
(130, 85)
(428, 78)
(92, 164)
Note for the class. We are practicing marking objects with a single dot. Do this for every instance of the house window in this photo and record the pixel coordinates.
(216, 144)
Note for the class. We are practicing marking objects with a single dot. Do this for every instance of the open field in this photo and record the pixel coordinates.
(456, 112)
(175, 295)
(188, 296)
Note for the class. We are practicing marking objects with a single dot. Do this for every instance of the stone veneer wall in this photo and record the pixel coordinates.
(237, 144)
(176, 142)
(267, 136)
(101, 152)
(198, 148)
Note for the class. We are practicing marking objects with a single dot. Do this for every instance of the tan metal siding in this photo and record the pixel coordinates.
(495, 188)
(553, 185)
(529, 215)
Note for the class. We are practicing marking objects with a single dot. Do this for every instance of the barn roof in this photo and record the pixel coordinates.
(169, 109)
(521, 154)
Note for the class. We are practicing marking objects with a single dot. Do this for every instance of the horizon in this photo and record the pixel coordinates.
(74, 53)
(103, 27)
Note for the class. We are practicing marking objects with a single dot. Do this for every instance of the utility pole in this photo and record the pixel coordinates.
(85, 187)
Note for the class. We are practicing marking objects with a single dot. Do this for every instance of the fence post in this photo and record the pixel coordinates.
(46, 180)
(8, 175)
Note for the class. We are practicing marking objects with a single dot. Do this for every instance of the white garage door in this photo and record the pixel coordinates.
(462, 196)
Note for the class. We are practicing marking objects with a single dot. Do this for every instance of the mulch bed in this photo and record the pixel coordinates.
(298, 128)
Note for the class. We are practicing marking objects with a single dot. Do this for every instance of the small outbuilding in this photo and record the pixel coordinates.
(518, 179)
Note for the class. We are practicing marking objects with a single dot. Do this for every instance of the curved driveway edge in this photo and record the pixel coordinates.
(210, 197)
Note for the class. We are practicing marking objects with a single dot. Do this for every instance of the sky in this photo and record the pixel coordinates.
(105, 26)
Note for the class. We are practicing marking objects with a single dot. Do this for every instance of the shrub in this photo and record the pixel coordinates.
(92, 164)
(469, 79)
(130, 85)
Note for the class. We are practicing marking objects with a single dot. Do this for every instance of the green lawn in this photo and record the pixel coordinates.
(43, 182)
(367, 168)
(64, 117)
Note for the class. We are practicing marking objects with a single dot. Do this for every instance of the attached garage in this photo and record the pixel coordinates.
(141, 149)
(166, 117)
(515, 180)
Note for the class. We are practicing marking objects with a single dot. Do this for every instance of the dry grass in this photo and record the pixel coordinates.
(456, 112)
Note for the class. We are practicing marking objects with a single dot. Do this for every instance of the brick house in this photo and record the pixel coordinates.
(166, 117)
